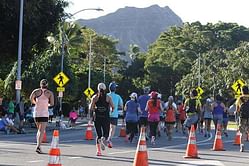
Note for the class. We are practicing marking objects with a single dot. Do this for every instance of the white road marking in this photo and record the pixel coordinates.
(201, 162)
(75, 157)
(35, 161)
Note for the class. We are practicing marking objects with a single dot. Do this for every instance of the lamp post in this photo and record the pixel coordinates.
(19, 59)
(89, 62)
(63, 34)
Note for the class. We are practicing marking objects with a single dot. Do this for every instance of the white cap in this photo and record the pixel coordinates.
(101, 86)
(133, 95)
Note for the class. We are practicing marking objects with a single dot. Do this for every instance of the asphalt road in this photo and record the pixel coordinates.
(19, 150)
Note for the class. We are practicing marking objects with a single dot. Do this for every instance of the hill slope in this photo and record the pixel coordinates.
(132, 25)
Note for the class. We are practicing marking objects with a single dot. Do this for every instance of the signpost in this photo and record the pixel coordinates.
(61, 80)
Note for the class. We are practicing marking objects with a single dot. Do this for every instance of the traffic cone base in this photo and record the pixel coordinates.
(89, 133)
(122, 132)
(141, 156)
(218, 144)
(191, 151)
(237, 138)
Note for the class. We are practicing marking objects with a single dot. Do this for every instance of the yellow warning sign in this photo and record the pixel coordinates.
(89, 92)
(199, 90)
(60, 89)
(61, 79)
(238, 85)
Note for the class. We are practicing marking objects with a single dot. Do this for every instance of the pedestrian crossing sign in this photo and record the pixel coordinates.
(61, 79)
(89, 92)
(237, 86)
(199, 90)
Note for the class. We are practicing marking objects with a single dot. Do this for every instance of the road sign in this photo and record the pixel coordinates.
(61, 79)
(237, 86)
(18, 84)
(60, 89)
(89, 92)
(199, 90)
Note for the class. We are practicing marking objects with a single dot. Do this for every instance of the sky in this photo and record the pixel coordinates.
(235, 11)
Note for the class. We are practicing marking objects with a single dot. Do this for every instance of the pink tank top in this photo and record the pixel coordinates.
(41, 107)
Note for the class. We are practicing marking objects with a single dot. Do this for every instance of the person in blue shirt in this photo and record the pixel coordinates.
(118, 105)
(142, 100)
(131, 109)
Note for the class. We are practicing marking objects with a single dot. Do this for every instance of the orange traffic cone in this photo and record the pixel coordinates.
(141, 156)
(44, 139)
(218, 144)
(191, 151)
(54, 152)
(237, 138)
(122, 132)
(89, 133)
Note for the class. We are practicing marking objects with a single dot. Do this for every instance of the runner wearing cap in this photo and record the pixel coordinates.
(101, 105)
(118, 105)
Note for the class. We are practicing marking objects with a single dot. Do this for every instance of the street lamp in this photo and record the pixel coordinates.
(19, 59)
(63, 45)
(64, 35)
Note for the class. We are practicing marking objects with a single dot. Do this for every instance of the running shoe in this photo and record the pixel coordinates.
(102, 144)
(242, 148)
(98, 153)
(38, 150)
(153, 142)
(109, 144)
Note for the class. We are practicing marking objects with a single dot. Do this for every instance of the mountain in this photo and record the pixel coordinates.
(131, 25)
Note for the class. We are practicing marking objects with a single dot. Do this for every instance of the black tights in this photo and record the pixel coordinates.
(102, 126)
(153, 128)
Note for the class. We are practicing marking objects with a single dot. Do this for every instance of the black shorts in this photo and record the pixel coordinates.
(114, 121)
(143, 121)
(41, 119)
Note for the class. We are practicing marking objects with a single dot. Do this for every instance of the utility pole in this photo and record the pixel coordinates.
(19, 59)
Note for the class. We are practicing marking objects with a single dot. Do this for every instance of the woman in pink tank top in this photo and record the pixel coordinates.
(42, 98)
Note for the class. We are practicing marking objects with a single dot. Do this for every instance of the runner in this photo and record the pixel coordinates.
(143, 117)
(42, 98)
(170, 119)
(153, 107)
(218, 108)
(100, 107)
(208, 116)
(192, 105)
(131, 110)
(161, 124)
(242, 108)
(118, 105)
(182, 115)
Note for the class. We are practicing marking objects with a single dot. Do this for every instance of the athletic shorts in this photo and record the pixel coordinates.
(191, 120)
(114, 121)
(143, 121)
(41, 119)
